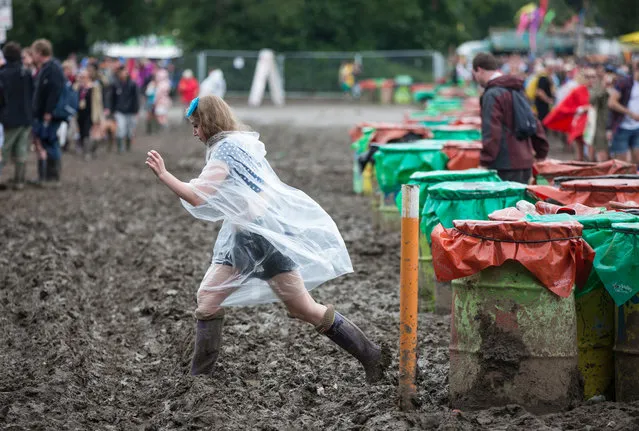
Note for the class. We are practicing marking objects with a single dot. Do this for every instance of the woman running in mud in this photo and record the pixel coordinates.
(276, 243)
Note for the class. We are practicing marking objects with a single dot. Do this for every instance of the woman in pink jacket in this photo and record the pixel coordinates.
(163, 101)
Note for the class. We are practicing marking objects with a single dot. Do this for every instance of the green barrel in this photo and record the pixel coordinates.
(423, 95)
(618, 267)
(461, 133)
(427, 281)
(595, 307)
(445, 104)
(429, 179)
(394, 164)
(512, 342)
(454, 200)
(433, 123)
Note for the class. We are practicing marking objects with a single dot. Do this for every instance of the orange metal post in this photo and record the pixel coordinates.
(408, 296)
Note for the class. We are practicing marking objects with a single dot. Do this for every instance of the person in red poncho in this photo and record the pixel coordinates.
(188, 88)
(571, 114)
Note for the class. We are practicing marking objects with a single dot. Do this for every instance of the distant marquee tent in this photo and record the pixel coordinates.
(153, 47)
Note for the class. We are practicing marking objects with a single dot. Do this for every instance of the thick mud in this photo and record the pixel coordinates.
(97, 290)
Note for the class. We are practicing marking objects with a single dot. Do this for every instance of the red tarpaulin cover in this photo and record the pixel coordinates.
(385, 132)
(555, 253)
(462, 154)
(592, 192)
(550, 169)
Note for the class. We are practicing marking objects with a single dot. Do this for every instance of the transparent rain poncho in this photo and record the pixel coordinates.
(275, 240)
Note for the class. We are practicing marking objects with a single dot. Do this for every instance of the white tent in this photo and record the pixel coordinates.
(157, 48)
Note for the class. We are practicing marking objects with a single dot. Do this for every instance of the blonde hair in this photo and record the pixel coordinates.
(68, 64)
(213, 115)
(42, 47)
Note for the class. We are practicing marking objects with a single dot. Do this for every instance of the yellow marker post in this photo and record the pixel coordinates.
(408, 296)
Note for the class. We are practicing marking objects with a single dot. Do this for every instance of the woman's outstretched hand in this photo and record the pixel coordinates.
(155, 162)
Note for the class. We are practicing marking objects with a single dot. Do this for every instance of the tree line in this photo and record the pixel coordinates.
(290, 25)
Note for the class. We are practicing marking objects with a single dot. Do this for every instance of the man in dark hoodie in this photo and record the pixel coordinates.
(513, 158)
(48, 89)
(124, 102)
(16, 114)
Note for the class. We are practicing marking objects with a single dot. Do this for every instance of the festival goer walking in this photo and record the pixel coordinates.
(544, 93)
(624, 104)
(48, 89)
(188, 87)
(149, 98)
(16, 111)
(29, 64)
(163, 101)
(214, 84)
(108, 79)
(90, 111)
(502, 150)
(599, 95)
(98, 111)
(570, 117)
(275, 242)
(125, 104)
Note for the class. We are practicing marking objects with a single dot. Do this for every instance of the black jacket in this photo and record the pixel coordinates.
(125, 97)
(16, 86)
(48, 88)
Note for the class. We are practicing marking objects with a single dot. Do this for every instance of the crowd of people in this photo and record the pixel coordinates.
(50, 107)
(592, 106)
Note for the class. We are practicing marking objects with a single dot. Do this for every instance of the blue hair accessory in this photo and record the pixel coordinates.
(192, 107)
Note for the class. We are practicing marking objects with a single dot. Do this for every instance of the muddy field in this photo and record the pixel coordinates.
(97, 289)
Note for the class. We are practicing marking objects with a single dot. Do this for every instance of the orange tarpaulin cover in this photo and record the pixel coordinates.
(555, 253)
(462, 154)
(591, 192)
(385, 132)
(550, 169)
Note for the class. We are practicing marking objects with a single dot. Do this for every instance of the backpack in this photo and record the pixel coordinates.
(67, 105)
(524, 121)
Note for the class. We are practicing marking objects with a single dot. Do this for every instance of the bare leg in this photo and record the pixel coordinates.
(635, 155)
(624, 157)
(590, 151)
(289, 287)
(579, 150)
(213, 292)
(602, 156)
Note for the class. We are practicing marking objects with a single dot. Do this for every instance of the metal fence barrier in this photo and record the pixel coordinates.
(315, 74)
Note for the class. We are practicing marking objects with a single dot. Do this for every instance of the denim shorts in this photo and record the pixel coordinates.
(255, 257)
(624, 140)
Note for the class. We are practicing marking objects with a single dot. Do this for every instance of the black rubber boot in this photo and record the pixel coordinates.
(349, 337)
(42, 174)
(120, 146)
(208, 339)
(42, 170)
(128, 144)
(57, 170)
(18, 181)
(49, 170)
